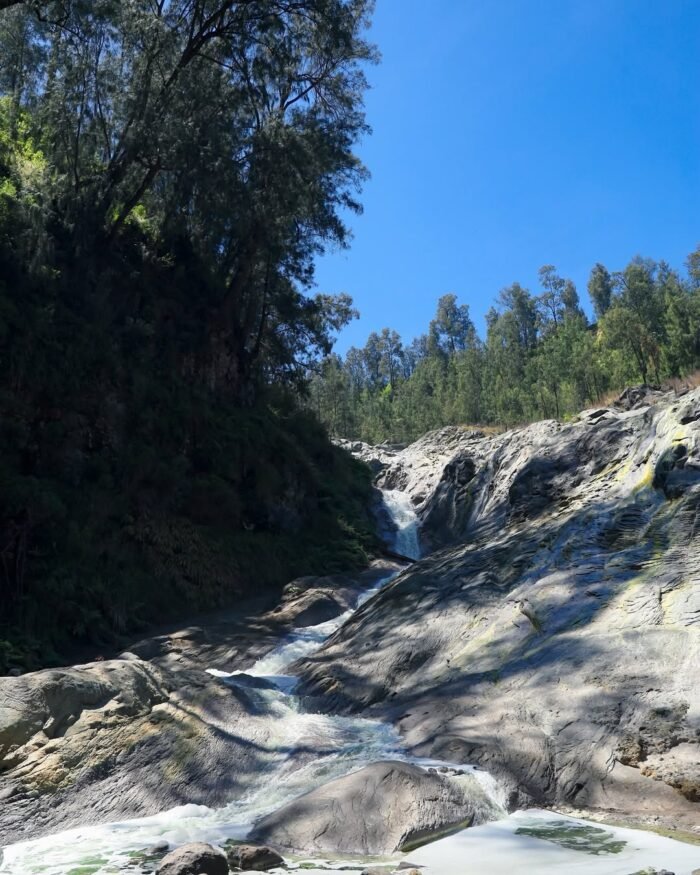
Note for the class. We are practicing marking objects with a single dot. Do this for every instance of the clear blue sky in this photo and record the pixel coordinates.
(508, 134)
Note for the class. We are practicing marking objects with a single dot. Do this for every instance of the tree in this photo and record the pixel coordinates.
(226, 124)
(693, 265)
(681, 351)
(540, 357)
(169, 173)
(600, 289)
(518, 301)
(640, 299)
(570, 301)
(391, 351)
(551, 299)
(413, 354)
(452, 328)
(372, 354)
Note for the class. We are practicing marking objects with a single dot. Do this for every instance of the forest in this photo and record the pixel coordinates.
(169, 170)
(541, 358)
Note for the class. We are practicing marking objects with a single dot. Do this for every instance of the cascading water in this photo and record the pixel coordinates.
(400, 509)
(336, 746)
(340, 745)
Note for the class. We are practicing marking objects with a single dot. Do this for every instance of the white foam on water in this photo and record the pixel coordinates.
(500, 848)
(340, 745)
(400, 508)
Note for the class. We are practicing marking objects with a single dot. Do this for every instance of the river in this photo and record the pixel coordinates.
(524, 842)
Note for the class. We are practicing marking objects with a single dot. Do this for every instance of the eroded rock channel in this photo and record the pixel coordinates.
(545, 654)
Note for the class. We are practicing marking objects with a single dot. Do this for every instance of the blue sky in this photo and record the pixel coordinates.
(508, 134)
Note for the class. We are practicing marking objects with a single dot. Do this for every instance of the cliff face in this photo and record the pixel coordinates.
(553, 634)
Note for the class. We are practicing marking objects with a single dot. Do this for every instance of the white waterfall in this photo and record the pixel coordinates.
(400, 509)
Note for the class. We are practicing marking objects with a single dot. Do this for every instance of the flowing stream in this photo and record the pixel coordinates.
(525, 842)
(341, 745)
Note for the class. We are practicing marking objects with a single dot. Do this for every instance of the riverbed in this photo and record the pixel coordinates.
(311, 749)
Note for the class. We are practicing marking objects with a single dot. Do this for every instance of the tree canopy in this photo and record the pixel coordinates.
(169, 172)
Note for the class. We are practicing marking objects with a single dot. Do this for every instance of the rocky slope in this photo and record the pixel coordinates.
(152, 729)
(553, 635)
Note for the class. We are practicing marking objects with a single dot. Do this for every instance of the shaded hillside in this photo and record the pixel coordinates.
(157, 247)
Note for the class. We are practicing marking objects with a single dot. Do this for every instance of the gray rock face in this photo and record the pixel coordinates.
(133, 736)
(51, 702)
(555, 636)
(377, 458)
(196, 858)
(385, 807)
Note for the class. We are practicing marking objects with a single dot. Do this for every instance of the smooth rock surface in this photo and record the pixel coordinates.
(555, 637)
(385, 807)
(152, 730)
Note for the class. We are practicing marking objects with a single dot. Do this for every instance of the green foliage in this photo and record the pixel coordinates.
(130, 492)
(168, 174)
(540, 358)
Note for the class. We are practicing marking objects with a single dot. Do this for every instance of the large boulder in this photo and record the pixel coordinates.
(196, 858)
(52, 701)
(119, 739)
(309, 601)
(385, 807)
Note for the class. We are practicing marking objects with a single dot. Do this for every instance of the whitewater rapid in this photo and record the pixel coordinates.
(342, 745)
(524, 842)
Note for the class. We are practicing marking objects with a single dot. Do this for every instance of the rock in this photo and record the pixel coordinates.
(51, 701)
(318, 608)
(296, 587)
(385, 807)
(309, 601)
(551, 637)
(196, 858)
(635, 397)
(92, 743)
(249, 681)
(594, 413)
(257, 858)
(158, 849)
(376, 458)
(552, 634)
(673, 474)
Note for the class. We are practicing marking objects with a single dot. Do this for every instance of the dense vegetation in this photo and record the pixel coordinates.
(541, 356)
(169, 169)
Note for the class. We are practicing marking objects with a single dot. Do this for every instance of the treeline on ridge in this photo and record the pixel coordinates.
(541, 356)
